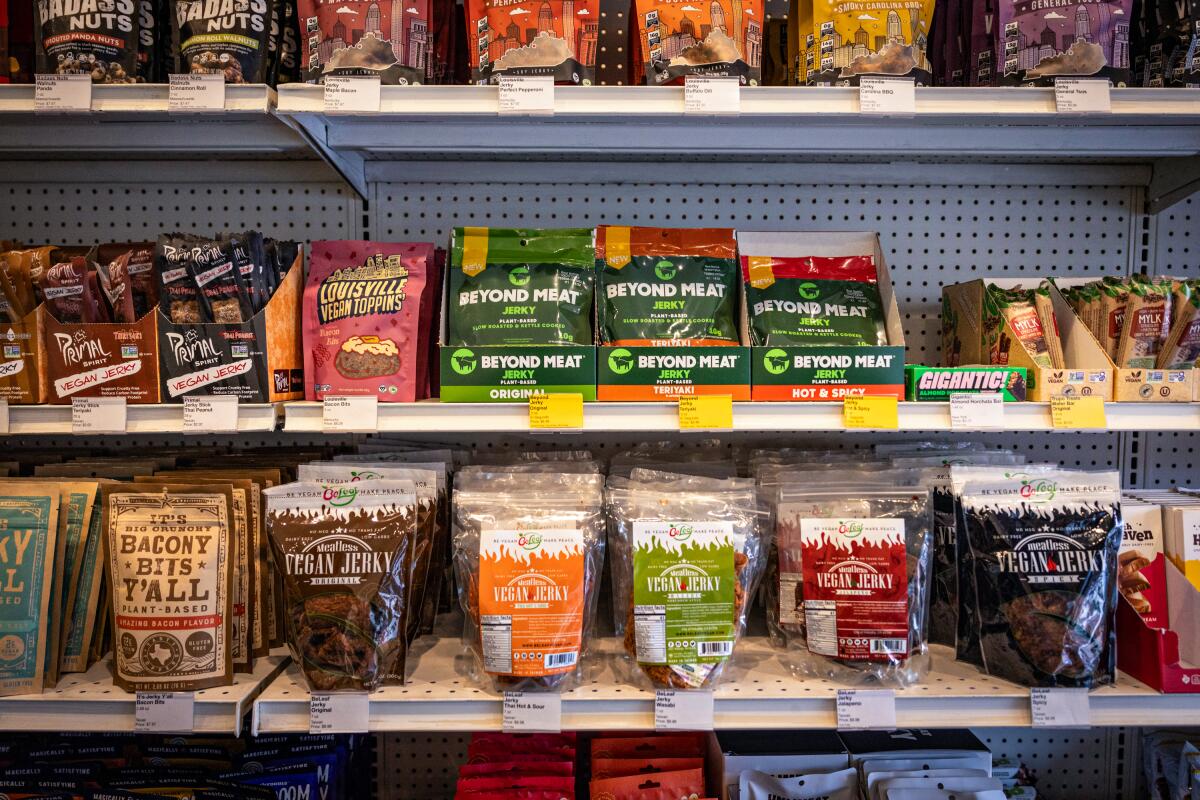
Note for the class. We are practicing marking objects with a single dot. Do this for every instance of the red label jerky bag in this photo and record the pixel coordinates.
(1039, 42)
(364, 37)
(362, 303)
(533, 37)
(222, 36)
(720, 37)
(88, 37)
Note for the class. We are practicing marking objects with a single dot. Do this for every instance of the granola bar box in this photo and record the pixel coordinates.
(97, 359)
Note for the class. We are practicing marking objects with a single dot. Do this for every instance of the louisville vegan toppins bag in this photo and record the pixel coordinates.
(533, 37)
(97, 39)
(227, 38)
(814, 300)
(722, 37)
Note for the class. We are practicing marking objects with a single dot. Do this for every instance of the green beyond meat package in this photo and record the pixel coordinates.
(816, 300)
(521, 287)
(667, 286)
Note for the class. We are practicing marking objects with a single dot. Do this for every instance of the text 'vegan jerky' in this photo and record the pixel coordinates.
(814, 300)
(96, 39)
(28, 530)
(226, 38)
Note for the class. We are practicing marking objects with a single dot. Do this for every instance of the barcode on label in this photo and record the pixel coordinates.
(560, 660)
(714, 648)
(889, 645)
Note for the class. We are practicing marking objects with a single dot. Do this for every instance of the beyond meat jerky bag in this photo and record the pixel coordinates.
(814, 300)
(222, 36)
(521, 287)
(872, 38)
(365, 37)
(97, 38)
(667, 286)
(533, 37)
(721, 37)
(1039, 42)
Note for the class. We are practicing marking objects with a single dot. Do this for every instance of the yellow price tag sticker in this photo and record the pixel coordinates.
(556, 411)
(876, 413)
(1077, 412)
(706, 412)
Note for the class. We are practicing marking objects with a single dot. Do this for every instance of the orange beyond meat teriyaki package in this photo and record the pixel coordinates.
(533, 37)
(701, 37)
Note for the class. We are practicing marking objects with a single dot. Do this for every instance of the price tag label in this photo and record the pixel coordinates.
(1077, 412)
(1083, 96)
(556, 411)
(62, 93)
(1060, 708)
(683, 711)
(341, 712)
(864, 709)
(98, 415)
(532, 712)
(712, 94)
(887, 96)
(5, 426)
(351, 94)
(526, 94)
(880, 413)
(970, 411)
(163, 712)
(217, 414)
(196, 91)
(354, 413)
(706, 412)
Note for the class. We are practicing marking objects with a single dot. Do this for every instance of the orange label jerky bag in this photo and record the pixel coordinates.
(716, 37)
(533, 37)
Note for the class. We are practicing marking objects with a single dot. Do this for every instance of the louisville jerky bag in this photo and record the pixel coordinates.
(866, 37)
(1044, 550)
(533, 37)
(813, 300)
(98, 38)
(723, 37)
(1038, 42)
(521, 287)
(29, 517)
(170, 574)
(667, 286)
(364, 37)
(227, 37)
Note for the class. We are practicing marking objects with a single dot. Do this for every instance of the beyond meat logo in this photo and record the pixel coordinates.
(620, 361)
(776, 361)
(665, 271)
(376, 287)
(463, 361)
(1050, 558)
(79, 349)
(518, 276)
(808, 291)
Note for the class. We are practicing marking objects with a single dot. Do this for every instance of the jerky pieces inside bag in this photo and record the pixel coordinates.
(90, 38)
(721, 37)
(228, 37)
(528, 553)
(687, 553)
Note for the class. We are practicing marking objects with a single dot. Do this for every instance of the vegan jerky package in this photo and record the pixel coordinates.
(138, 262)
(687, 553)
(856, 38)
(363, 37)
(220, 288)
(1044, 551)
(520, 287)
(178, 295)
(667, 286)
(344, 551)
(1039, 42)
(528, 554)
(89, 38)
(70, 297)
(29, 533)
(816, 300)
(533, 37)
(724, 37)
(228, 38)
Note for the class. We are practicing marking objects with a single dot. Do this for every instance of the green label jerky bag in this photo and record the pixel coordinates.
(667, 286)
(521, 287)
(813, 300)
(223, 36)
(88, 37)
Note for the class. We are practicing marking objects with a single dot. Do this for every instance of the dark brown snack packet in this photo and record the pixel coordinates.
(114, 280)
(223, 296)
(250, 258)
(178, 297)
(65, 289)
(97, 307)
(139, 266)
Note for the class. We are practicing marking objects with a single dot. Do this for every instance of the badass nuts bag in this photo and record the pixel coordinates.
(227, 37)
(97, 38)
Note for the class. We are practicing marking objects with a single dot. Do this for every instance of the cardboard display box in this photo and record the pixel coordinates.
(98, 359)
(1167, 659)
(20, 378)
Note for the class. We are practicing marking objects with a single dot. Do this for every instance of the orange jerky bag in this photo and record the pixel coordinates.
(533, 37)
(713, 37)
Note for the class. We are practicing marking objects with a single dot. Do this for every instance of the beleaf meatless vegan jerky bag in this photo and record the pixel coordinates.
(96, 37)
(28, 532)
(667, 286)
(521, 287)
(533, 37)
(228, 37)
(1039, 42)
(857, 38)
(170, 571)
(719, 37)
(813, 300)
(365, 37)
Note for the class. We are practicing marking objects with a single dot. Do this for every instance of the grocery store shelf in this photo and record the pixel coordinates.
(598, 417)
(759, 693)
(165, 418)
(88, 702)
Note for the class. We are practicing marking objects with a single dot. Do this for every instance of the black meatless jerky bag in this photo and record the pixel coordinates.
(97, 38)
(1045, 556)
(226, 36)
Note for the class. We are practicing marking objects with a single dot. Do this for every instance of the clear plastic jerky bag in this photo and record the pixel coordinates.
(687, 553)
(528, 554)
(855, 568)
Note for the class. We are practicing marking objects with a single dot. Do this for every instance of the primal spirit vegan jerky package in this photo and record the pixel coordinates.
(1037, 43)
(226, 37)
(866, 38)
(97, 38)
(719, 38)
(533, 37)
(395, 41)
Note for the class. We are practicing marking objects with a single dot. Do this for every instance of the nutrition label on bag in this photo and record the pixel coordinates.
(531, 712)
(1083, 96)
(62, 93)
(683, 711)
(98, 415)
(217, 414)
(164, 712)
(196, 91)
(353, 413)
(711, 94)
(866, 709)
(526, 94)
(351, 94)
(339, 712)
(1060, 708)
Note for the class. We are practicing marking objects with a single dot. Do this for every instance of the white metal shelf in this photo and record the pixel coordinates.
(160, 418)
(88, 701)
(758, 693)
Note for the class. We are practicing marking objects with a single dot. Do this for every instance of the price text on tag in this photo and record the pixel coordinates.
(1060, 708)
(526, 94)
(352, 413)
(556, 411)
(1077, 412)
(341, 712)
(887, 96)
(861, 709)
(98, 415)
(62, 93)
(1083, 96)
(706, 412)
(351, 94)
(970, 411)
(196, 91)
(532, 712)
(163, 712)
(216, 414)
(712, 94)
(683, 711)
(882, 413)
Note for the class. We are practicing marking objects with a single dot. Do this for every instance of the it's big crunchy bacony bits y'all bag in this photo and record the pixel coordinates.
(170, 571)
(29, 518)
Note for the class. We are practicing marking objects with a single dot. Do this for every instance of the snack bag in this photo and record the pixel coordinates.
(533, 37)
(659, 786)
(840, 785)
(1016, 306)
(1146, 323)
(222, 38)
(721, 37)
(865, 37)
(75, 39)
(1182, 347)
(1039, 42)
(814, 300)
(364, 37)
